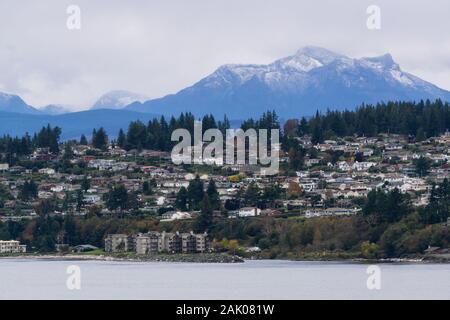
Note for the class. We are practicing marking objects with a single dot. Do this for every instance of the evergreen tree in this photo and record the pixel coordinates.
(83, 140)
(85, 184)
(99, 139)
(28, 191)
(121, 139)
(181, 201)
(213, 195)
(48, 137)
(68, 152)
(296, 158)
(204, 220)
(438, 208)
(147, 188)
(252, 194)
(136, 136)
(80, 200)
(195, 193)
(422, 166)
(119, 199)
(66, 202)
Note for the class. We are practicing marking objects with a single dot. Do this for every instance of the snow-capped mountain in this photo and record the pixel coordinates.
(15, 104)
(55, 109)
(117, 99)
(311, 79)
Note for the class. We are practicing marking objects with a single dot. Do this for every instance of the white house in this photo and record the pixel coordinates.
(160, 201)
(330, 212)
(170, 216)
(344, 166)
(47, 171)
(92, 198)
(363, 166)
(249, 212)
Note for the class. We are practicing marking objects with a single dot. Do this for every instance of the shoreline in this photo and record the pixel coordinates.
(176, 258)
(215, 258)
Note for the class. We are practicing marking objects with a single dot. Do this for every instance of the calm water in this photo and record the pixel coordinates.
(40, 279)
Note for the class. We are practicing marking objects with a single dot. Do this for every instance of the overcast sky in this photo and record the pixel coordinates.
(159, 47)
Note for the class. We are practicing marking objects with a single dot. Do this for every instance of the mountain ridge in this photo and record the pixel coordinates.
(312, 79)
(14, 103)
(117, 99)
(73, 124)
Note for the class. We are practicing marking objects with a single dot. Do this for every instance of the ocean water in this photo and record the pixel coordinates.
(47, 279)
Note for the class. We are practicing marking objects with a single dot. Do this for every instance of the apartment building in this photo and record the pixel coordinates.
(188, 242)
(156, 242)
(119, 243)
(147, 243)
(170, 242)
(12, 246)
(202, 242)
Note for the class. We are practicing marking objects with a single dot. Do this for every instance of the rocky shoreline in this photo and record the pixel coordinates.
(187, 258)
(217, 258)
(349, 258)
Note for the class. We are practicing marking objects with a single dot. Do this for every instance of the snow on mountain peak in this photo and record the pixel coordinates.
(313, 67)
(311, 79)
(117, 99)
(302, 63)
(322, 55)
(13, 103)
(56, 109)
(384, 62)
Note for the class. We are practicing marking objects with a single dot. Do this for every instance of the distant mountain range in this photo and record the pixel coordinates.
(55, 109)
(13, 103)
(311, 79)
(73, 124)
(114, 100)
(117, 99)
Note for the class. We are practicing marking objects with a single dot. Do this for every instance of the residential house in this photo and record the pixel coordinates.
(249, 212)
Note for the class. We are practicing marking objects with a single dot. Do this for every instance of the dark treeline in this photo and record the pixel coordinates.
(419, 119)
(157, 133)
(48, 137)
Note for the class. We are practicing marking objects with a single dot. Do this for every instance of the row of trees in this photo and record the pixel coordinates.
(392, 206)
(47, 137)
(419, 119)
(277, 237)
(157, 133)
(438, 208)
(191, 198)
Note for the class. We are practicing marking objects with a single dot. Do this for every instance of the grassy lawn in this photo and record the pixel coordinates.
(92, 253)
